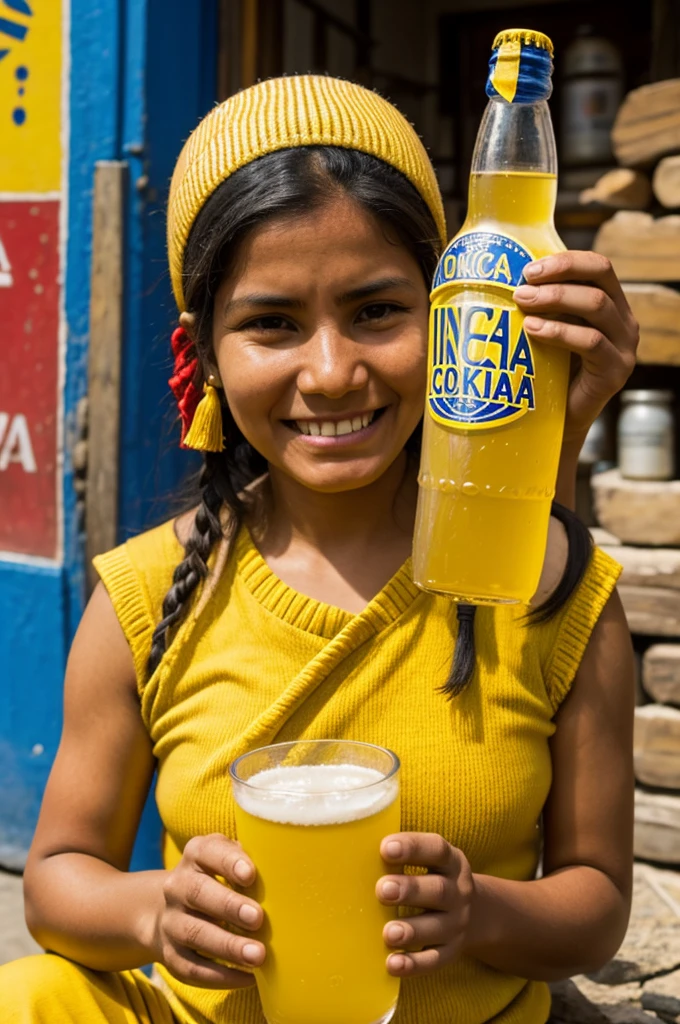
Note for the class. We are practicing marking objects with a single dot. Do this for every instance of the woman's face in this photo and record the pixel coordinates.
(320, 339)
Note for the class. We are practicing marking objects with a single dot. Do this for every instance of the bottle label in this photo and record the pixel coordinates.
(482, 372)
(482, 368)
(483, 257)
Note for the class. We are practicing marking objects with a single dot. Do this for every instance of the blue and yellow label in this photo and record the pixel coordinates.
(482, 368)
(483, 257)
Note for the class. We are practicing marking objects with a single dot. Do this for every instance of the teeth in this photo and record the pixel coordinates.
(328, 428)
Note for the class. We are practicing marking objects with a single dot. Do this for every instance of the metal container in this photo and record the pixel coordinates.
(599, 448)
(591, 95)
(646, 435)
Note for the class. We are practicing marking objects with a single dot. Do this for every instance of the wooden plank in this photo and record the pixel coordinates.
(657, 310)
(647, 125)
(638, 511)
(228, 52)
(651, 611)
(657, 826)
(603, 538)
(641, 247)
(666, 182)
(647, 567)
(665, 39)
(104, 355)
(621, 189)
(249, 42)
(656, 747)
(661, 673)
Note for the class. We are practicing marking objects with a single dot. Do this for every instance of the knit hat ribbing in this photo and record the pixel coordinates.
(282, 113)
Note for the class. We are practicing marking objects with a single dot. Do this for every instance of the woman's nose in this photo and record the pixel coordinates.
(333, 364)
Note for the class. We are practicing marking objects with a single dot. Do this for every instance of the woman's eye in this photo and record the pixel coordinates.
(378, 311)
(268, 323)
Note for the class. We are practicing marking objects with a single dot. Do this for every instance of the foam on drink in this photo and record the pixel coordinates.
(317, 794)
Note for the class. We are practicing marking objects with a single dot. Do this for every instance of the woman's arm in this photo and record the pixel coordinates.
(565, 486)
(81, 900)
(573, 919)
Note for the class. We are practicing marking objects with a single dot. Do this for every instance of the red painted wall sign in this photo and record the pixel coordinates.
(29, 340)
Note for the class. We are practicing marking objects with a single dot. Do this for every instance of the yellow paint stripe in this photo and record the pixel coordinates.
(506, 72)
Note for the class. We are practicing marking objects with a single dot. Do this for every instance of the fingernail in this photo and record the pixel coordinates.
(395, 933)
(242, 871)
(533, 270)
(533, 324)
(394, 848)
(251, 953)
(248, 914)
(390, 890)
(526, 291)
(397, 963)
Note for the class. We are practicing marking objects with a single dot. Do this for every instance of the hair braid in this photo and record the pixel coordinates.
(205, 531)
(463, 665)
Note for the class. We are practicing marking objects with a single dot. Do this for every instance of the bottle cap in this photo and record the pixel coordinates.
(520, 68)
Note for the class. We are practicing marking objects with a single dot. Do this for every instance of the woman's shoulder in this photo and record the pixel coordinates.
(151, 555)
(601, 568)
(554, 563)
(137, 575)
(563, 635)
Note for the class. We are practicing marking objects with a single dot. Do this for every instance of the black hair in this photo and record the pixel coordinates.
(285, 183)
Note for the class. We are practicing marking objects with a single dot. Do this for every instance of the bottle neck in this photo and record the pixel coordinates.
(515, 137)
(514, 166)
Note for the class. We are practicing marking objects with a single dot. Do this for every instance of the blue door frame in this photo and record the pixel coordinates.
(141, 74)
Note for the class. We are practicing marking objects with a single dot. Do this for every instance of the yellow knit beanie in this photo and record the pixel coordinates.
(281, 113)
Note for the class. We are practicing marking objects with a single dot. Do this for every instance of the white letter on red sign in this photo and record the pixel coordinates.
(18, 447)
(6, 279)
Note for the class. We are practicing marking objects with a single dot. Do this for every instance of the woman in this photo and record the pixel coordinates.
(304, 228)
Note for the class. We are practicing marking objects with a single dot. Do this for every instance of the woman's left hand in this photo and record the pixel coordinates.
(436, 937)
(573, 300)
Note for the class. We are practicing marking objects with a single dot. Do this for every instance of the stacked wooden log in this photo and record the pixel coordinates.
(645, 248)
(642, 239)
(650, 591)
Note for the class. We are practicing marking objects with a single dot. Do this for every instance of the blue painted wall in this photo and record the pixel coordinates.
(142, 73)
(32, 614)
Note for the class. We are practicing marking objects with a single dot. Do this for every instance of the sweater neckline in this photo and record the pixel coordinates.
(307, 613)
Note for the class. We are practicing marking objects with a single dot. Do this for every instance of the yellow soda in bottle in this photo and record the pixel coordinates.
(495, 404)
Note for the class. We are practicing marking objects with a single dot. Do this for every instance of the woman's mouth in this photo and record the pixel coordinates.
(327, 431)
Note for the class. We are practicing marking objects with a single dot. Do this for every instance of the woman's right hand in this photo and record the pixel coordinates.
(192, 926)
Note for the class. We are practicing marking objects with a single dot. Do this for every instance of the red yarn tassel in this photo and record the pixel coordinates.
(187, 395)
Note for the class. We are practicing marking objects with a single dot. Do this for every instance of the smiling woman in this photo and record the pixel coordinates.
(282, 607)
(332, 350)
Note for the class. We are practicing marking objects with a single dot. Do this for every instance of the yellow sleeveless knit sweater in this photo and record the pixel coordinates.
(262, 663)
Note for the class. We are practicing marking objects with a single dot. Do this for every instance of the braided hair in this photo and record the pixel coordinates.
(296, 181)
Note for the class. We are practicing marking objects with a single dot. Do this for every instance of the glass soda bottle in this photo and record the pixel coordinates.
(496, 400)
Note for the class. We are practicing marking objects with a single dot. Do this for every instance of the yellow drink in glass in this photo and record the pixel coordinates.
(313, 831)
